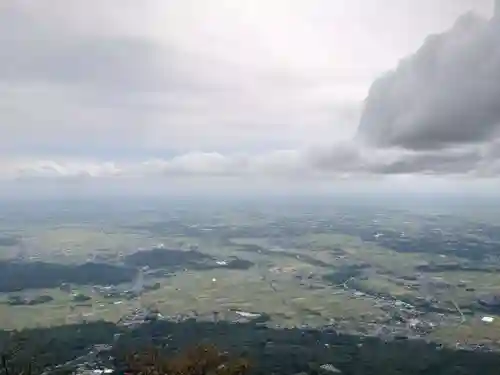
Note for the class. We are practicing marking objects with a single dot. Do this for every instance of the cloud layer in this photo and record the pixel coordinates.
(345, 160)
(183, 79)
(269, 91)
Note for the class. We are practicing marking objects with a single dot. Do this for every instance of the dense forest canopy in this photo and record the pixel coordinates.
(266, 350)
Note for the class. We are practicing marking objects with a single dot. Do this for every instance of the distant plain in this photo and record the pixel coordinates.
(295, 250)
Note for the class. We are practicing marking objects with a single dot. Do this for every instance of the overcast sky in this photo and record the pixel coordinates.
(315, 90)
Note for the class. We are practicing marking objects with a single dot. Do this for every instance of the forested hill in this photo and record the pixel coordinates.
(267, 350)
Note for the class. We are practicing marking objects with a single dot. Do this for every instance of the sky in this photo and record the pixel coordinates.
(250, 93)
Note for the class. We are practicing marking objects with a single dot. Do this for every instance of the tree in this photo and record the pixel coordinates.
(199, 360)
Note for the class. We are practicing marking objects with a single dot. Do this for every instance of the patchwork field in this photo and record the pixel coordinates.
(340, 267)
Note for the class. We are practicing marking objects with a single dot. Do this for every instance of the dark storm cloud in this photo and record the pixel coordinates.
(447, 93)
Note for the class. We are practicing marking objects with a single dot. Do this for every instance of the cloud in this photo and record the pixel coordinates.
(181, 89)
(438, 112)
(36, 51)
(345, 160)
(446, 94)
(196, 164)
(105, 85)
(359, 159)
(52, 169)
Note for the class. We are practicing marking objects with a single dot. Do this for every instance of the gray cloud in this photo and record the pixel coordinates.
(344, 159)
(128, 91)
(359, 159)
(447, 93)
(441, 162)
(35, 51)
(132, 92)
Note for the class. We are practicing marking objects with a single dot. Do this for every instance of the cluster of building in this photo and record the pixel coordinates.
(140, 316)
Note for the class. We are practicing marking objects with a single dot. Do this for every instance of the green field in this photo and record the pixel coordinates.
(288, 279)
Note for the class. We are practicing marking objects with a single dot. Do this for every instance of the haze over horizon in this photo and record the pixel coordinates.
(250, 95)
